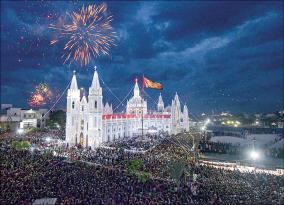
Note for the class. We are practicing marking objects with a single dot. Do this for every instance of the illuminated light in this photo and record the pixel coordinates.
(48, 139)
(223, 123)
(207, 121)
(254, 155)
(20, 131)
(203, 128)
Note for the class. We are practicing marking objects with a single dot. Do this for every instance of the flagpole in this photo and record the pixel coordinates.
(142, 95)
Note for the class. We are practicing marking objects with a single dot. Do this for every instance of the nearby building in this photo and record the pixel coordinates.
(14, 118)
(90, 123)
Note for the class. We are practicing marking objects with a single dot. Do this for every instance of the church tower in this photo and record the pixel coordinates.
(73, 106)
(185, 118)
(176, 115)
(160, 106)
(95, 103)
(136, 105)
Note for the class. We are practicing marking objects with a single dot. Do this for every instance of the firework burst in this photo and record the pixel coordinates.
(40, 96)
(88, 33)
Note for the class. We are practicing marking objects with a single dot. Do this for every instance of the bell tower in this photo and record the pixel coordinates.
(176, 115)
(95, 103)
(73, 104)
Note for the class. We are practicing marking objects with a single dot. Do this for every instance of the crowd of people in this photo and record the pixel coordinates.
(137, 143)
(78, 176)
(26, 177)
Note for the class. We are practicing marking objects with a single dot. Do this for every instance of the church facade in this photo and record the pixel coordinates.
(90, 123)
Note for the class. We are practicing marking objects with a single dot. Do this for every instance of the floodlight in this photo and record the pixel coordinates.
(254, 155)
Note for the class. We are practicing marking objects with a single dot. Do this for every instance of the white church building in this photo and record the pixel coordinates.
(90, 123)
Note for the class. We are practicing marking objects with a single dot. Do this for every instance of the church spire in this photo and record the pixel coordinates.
(95, 86)
(74, 85)
(136, 89)
(160, 104)
(185, 118)
(160, 98)
(185, 109)
(95, 82)
(176, 99)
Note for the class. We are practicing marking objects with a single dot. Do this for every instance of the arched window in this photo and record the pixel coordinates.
(96, 104)
(82, 107)
(73, 105)
(82, 124)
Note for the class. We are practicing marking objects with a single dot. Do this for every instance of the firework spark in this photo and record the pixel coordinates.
(40, 96)
(88, 33)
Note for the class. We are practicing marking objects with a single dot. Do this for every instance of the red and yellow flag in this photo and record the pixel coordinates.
(151, 84)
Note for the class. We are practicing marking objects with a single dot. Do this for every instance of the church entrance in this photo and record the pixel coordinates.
(81, 139)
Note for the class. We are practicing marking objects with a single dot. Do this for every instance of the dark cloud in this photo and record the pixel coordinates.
(217, 55)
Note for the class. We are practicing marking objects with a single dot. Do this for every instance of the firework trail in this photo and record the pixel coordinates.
(88, 34)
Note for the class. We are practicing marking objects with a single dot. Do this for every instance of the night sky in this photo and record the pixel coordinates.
(218, 56)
